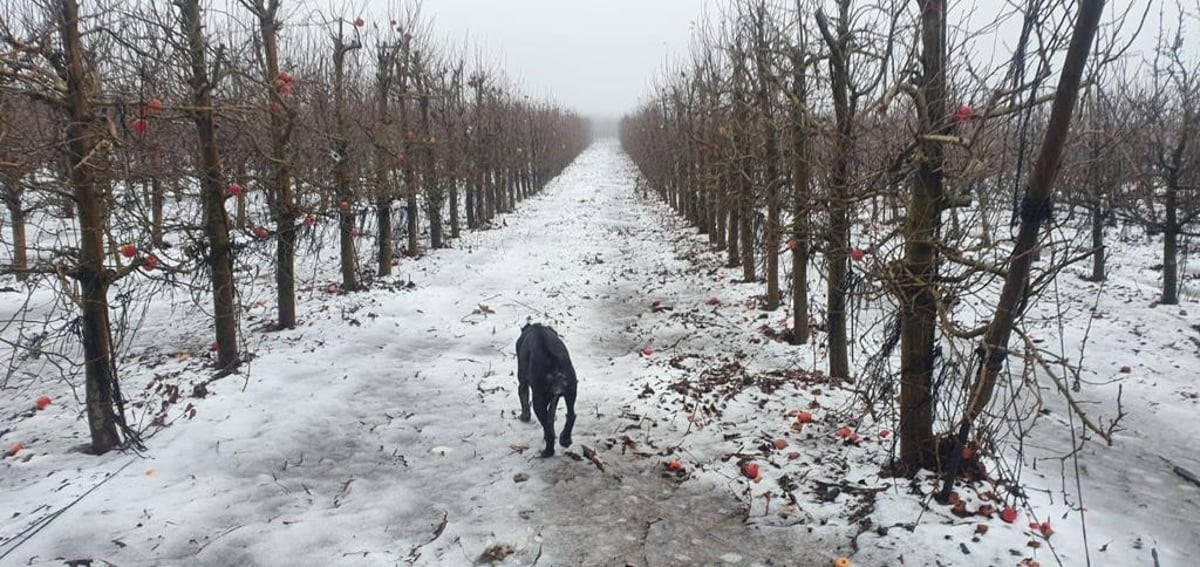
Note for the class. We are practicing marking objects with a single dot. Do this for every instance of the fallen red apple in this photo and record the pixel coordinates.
(647, 351)
(674, 465)
(14, 449)
(781, 443)
(885, 433)
(804, 417)
(844, 432)
(1009, 515)
(261, 232)
(750, 470)
(43, 402)
(714, 301)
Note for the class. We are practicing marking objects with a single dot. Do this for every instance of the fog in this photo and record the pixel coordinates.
(598, 57)
(594, 56)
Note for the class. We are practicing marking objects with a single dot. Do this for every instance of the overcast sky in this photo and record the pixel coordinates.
(595, 56)
(599, 56)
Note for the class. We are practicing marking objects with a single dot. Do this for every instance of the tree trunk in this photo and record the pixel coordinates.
(90, 272)
(16, 214)
(471, 188)
(212, 192)
(771, 158)
(801, 198)
(719, 210)
(918, 312)
(433, 189)
(745, 191)
(414, 221)
(1098, 251)
(383, 159)
(838, 237)
(157, 204)
(280, 195)
(342, 168)
(242, 221)
(1035, 209)
(733, 226)
(1171, 229)
(454, 170)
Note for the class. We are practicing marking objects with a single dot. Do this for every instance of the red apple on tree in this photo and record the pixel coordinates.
(358, 23)
(140, 126)
(963, 114)
(235, 189)
(128, 250)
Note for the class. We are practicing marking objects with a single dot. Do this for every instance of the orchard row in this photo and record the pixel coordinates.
(260, 120)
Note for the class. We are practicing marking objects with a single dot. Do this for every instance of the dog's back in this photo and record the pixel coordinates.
(541, 348)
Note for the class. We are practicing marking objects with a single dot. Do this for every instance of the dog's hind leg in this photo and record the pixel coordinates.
(523, 393)
(523, 385)
(545, 414)
(565, 439)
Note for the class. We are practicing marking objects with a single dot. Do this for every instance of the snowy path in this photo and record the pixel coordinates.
(386, 429)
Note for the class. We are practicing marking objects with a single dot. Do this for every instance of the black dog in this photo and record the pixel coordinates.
(544, 365)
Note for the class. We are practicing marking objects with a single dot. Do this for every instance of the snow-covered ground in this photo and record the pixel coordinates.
(383, 430)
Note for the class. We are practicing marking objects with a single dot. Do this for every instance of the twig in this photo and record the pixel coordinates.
(1188, 475)
(219, 536)
(415, 552)
(33, 530)
(1066, 392)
